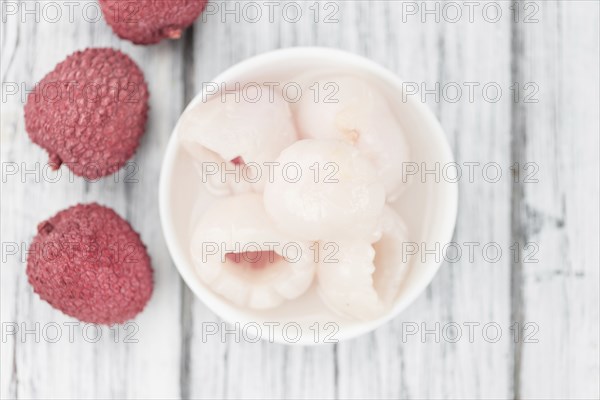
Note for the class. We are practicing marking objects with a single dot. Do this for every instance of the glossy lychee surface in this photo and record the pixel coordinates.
(150, 21)
(89, 263)
(90, 112)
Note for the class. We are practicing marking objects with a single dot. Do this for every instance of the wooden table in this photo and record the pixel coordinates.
(528, 319)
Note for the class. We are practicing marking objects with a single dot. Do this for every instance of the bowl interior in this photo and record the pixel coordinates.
(427, 207)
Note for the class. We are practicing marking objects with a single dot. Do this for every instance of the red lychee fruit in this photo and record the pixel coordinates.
(89, 263)
(89, 112)
(150, 21)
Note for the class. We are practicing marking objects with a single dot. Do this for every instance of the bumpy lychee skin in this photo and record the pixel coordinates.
(89, 112)
(89, 263)
(150, 21)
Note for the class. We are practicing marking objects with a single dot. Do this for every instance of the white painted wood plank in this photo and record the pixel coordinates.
(38, 369)
(560, 212)
(230, 369)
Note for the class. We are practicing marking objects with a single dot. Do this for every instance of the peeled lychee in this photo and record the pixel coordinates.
(150, 21)
(325, 190)
(358, 114)
(89, 263)
(231, 135)
(89, 112)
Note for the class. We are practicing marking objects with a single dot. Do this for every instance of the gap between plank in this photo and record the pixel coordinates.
(186, 297)
(518, 233)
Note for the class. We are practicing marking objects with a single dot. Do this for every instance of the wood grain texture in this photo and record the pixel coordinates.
(558, 214)
(560, 292)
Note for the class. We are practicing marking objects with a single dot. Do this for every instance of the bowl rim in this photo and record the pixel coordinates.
(212, 300)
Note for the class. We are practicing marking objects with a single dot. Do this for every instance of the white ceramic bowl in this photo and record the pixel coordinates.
(428, 208)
